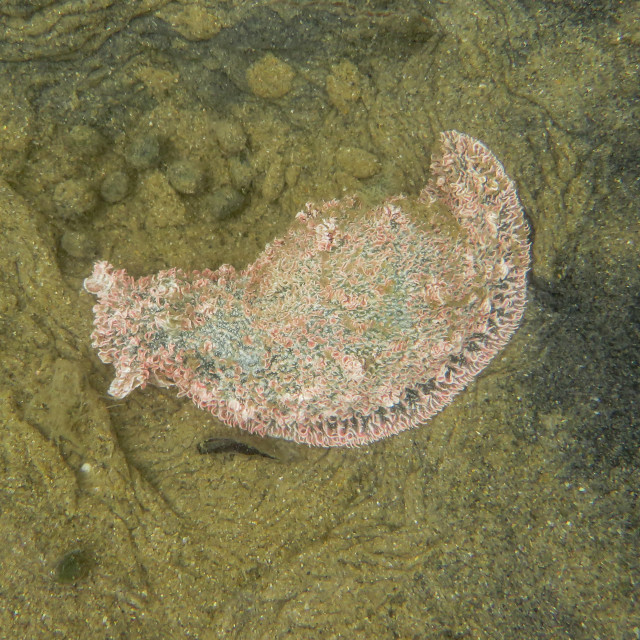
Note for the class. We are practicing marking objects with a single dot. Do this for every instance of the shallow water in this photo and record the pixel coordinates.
(190, 136)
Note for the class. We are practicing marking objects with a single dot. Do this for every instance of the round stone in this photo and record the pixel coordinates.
(343, 85)
(185, 176)
(231, 137)
(357, 162)
(77, 245)
(85, 140)
(270, 77)
(115, 186)
(74, 198)
(224, 202)
(73, 566)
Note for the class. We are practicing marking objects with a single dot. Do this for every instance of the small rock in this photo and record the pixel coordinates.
(192, 21)
(231, 137)
(73, 566)
(77, 245)
(185, 176)
(224, 202)
(158, 203)
(144, 151)
(74, 198)
(357, 162)
(115, 186)
(270, 77)
(85, 140)
(343, 85)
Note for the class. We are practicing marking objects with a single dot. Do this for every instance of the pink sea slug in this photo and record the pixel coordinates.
(359, 323)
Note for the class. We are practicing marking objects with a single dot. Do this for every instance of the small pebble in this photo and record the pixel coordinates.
(74, 198)
(144, 151)
(185, 176)
(223, 203)
(73, 566)
(357, 162)
(270, 77)
(77, 245)
(343, 85)
(85, 140)
(231, 137)
(115, 186)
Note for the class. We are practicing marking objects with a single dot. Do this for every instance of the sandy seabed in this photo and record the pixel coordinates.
(190, 135)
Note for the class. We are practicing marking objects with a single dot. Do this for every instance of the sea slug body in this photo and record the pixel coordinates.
(358, 324)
